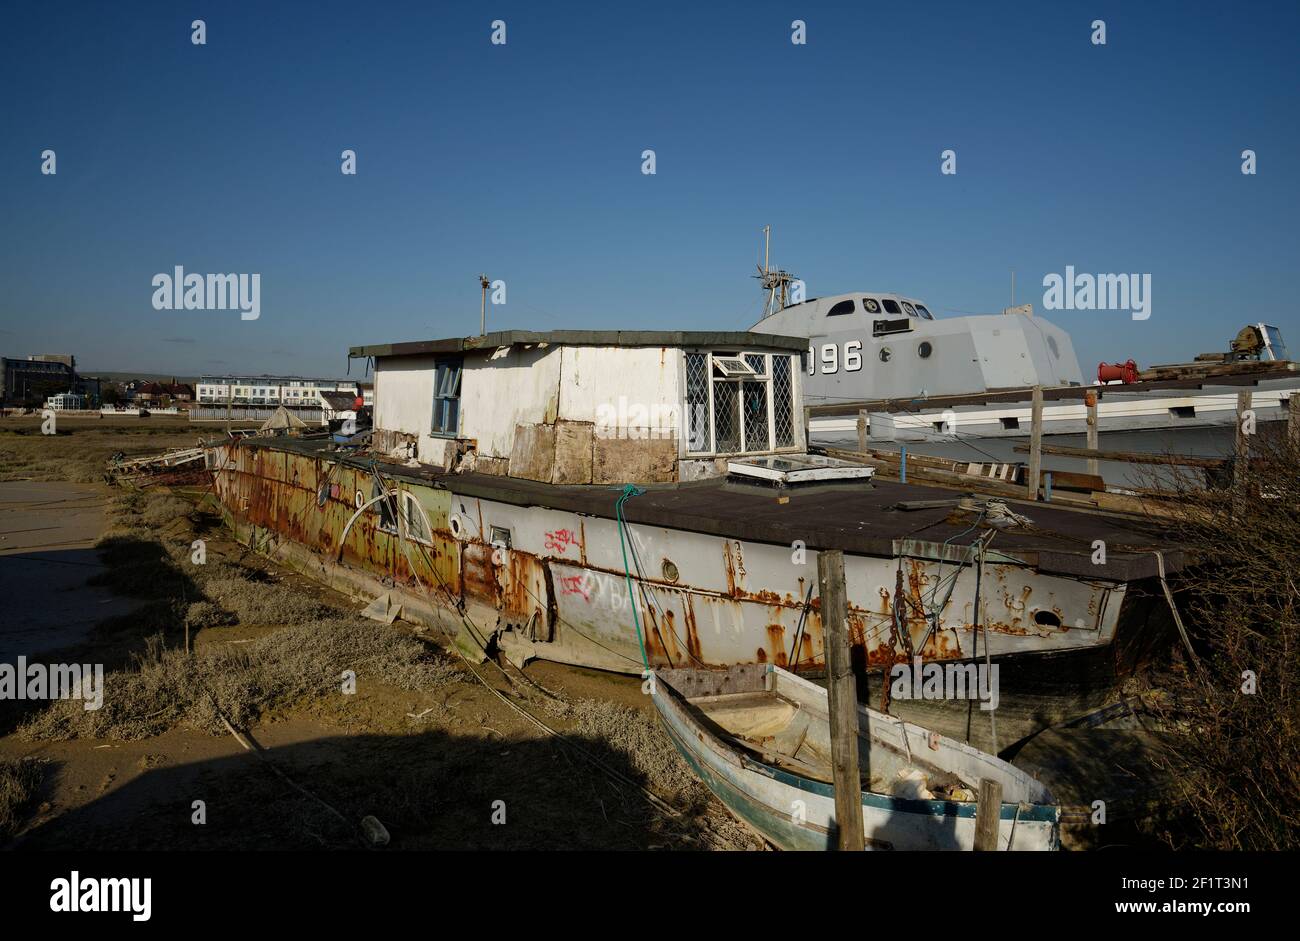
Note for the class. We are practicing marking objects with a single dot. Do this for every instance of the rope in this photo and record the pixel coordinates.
(629, 491)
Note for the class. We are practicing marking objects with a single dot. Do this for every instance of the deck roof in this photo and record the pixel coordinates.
(490, 341)
(849, 516)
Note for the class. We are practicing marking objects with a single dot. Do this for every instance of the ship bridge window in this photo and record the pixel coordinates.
(738, 403)
(925, 314)
(843, 307)
(891, 306)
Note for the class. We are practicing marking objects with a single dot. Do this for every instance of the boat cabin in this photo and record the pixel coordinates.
(589, 407)
(873, 346)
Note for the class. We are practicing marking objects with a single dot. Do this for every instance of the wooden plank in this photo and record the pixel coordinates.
(1131, 457)
(1035, 444)
(1293, 419)
(1241, 442)
(1071, 480)
(988, 811)
(1090, 400)
(842, 699)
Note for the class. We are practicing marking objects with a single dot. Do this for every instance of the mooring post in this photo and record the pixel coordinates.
(842, 699)
(1035, 444)
(1241, 445)
(1090, 399)
(902, 464)
(988, 811)
(862, 431)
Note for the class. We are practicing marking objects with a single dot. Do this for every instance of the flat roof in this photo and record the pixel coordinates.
(489, 341)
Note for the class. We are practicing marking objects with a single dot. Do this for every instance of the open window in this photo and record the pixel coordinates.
(739, 403)
(446, 398)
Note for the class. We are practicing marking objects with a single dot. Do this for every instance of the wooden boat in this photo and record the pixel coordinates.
(759, 738)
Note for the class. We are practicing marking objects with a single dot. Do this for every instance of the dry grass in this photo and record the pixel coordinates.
(637, 737)
(1237, 754)
(82, 446)
(168, 688)
(19, 780)
(303, 658)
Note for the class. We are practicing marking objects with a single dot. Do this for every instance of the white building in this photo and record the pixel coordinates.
(268, 390)
(67, 401)
(576, 406)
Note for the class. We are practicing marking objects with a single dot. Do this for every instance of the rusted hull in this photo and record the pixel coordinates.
(548, 583)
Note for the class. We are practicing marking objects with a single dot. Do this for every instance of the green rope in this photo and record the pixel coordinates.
(630, 491)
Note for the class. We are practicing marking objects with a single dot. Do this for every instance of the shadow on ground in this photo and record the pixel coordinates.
(431, 791)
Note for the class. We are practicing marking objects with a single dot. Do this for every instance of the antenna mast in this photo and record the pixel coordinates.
(775, 283)
(482, 309)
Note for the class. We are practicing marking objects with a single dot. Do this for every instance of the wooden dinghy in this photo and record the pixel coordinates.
(759, 738)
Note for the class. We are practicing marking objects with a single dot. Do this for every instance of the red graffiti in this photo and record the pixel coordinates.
(576, 585)
(560, 540)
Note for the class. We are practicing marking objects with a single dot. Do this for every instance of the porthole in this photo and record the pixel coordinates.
(871, 304)
(885, 354)
(670, 570)
(924, 350)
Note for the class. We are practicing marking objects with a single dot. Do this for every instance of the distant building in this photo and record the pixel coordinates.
(147, 392)
(67, 401)
(33, 380)
(269, 390)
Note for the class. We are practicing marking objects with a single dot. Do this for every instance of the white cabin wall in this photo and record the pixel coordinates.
(404, 397)
(635, 387)
(519, 387)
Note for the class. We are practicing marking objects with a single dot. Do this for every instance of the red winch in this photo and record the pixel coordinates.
(1124, 372)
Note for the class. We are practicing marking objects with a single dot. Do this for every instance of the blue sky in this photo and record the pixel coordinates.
(524, 161)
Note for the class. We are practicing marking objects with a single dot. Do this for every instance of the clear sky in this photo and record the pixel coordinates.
(524, 161)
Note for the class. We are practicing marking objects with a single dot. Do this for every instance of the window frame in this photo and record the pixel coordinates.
(453, 366)
(766, 376)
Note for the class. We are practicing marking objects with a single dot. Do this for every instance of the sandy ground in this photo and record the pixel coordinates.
(47, 535)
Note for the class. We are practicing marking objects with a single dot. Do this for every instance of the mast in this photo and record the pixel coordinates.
(775, 283)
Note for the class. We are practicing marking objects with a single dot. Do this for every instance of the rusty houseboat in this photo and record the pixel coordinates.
(490, 499)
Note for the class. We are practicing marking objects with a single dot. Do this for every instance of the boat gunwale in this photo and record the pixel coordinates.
(1010, 810)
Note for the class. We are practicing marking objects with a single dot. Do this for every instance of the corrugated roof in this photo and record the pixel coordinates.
(490, 341)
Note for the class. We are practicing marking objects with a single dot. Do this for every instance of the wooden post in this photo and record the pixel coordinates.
(988, 811)
(842, 699)
(1241, 452)
(862, 431)
(1090, 399)
(1293, 419)
(1035, 444)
